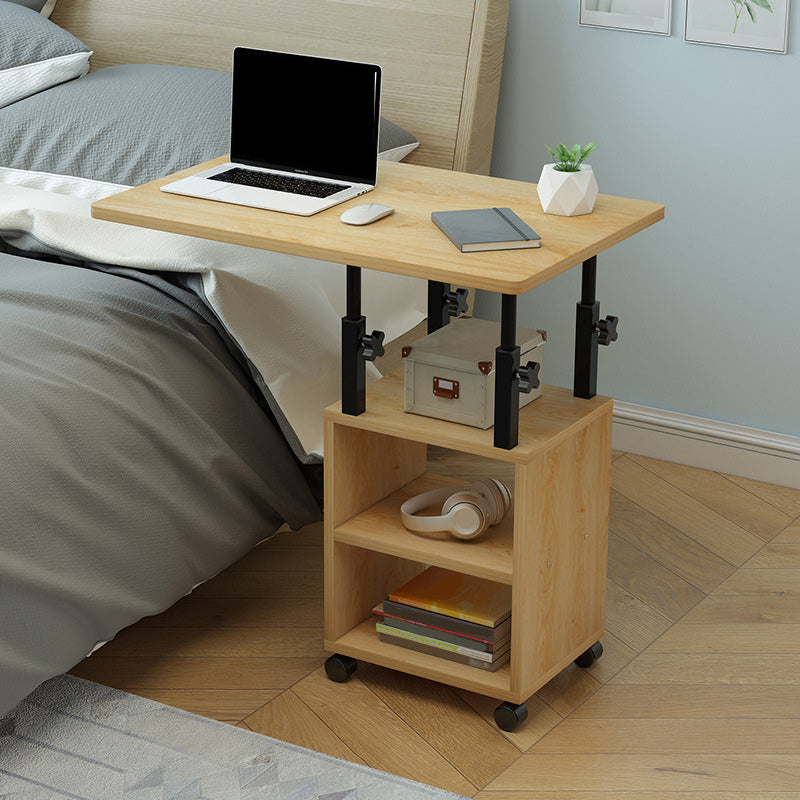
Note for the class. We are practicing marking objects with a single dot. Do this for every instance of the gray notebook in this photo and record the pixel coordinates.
(479, 229)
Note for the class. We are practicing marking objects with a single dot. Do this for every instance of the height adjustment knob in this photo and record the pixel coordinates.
(372, 345)
(607, 330)
(528, 377)
(456, 302)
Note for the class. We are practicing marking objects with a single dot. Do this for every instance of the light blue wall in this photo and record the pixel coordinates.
(709, 299)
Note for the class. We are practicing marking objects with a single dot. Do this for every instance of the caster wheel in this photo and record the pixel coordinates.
(591, 655)
(508, 716)
(340, 668)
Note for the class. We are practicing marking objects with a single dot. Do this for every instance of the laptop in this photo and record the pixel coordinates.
(304, 134)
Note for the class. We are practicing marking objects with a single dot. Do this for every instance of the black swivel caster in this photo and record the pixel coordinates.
(508, 716)
(340, 668)
(587, 658)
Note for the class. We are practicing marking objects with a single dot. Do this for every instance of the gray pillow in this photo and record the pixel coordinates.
(42, 6)
(132, 123)
(35, 53)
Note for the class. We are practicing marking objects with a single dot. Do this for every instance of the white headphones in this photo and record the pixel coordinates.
(467, 511)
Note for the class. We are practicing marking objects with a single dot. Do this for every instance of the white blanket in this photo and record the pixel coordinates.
(284, 311)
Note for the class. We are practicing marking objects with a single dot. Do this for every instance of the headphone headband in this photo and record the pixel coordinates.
(415, 504)
(467, 511)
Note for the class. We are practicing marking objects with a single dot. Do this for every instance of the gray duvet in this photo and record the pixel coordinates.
(137, 459)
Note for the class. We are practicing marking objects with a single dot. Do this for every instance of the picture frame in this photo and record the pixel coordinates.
(640, 16)
(746, 24)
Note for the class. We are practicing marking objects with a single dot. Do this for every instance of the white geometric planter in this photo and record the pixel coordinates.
(567, 194)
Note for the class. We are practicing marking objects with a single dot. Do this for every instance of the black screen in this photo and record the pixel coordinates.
(305, 115)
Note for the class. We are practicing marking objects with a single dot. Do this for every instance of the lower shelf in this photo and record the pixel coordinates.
(363, 642)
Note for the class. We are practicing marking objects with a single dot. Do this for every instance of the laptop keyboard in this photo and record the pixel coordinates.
(279, 183)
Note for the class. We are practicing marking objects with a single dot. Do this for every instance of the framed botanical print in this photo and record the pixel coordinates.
(753, 24)
(643, 16)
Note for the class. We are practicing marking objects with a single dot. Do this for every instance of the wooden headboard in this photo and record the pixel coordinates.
(441, 59)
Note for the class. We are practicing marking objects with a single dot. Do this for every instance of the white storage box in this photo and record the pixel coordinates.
(450, 374)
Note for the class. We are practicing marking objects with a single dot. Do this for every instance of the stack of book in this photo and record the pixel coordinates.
(453, 616)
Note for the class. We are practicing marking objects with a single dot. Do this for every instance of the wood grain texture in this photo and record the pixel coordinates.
(782, 582)
(441, 62)
(225, 705)
(668, 722)
(380, 527)
(541, 718)
(631, 619)
(590, 735)
(669, 546)
(289, 719)
(676, 701)
(481, 86)
(647, 579)
(209, 672)
(729, 637)
(407, 242)
(750, 773)
(445, 721)
(553, 417)
(783, 497)
(364, 643)
(782, 552)
(681, 510)
(748, 511)
(744, 608)
(376, 733)
(560, 543)
(744, 669)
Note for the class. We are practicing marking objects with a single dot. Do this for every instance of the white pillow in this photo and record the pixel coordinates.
(35, 53)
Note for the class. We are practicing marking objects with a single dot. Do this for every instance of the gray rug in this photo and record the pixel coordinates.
(76, 739)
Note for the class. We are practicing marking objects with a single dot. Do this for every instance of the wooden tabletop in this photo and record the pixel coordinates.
(406, 243)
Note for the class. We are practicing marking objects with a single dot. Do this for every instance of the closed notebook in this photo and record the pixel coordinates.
(457, 595)
(476, 230)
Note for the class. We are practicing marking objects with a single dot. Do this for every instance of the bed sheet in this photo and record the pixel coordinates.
(138, 459)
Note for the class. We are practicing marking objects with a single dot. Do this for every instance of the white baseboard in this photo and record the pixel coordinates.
(706, 443)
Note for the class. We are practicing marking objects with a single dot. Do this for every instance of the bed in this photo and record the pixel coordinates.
(159, 396)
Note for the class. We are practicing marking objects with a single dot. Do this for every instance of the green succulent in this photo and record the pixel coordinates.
(570, 160)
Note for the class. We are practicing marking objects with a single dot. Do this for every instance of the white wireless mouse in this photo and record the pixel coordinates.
(365, 213)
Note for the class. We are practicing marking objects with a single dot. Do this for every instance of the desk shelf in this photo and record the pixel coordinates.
(379, 528)
(551, 549)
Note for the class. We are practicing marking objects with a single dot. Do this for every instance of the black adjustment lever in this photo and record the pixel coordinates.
(607, 330)
(528, 377)
(456, 302)
(372, 345)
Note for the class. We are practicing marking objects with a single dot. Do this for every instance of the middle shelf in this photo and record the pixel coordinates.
(380, 528)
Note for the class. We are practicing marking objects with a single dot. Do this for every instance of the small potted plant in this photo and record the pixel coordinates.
(568, 186)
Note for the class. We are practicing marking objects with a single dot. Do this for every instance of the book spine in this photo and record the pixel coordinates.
(426, 626)
(450, 624)
(429, 641)
(446, 655)
(444, 636)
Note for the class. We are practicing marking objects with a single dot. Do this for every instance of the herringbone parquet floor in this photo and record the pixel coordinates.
(697, 695)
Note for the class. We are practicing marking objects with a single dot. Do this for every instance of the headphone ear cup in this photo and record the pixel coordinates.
(469, 514)
(497, 496)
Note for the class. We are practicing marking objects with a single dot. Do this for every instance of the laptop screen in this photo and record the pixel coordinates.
(308, 115)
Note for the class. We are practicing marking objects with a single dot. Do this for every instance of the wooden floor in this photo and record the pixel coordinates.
(697, 695)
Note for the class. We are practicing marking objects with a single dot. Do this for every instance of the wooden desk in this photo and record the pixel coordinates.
(552, 548)
(407, 243)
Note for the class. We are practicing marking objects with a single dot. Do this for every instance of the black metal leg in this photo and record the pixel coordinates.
(506, 389)
(354, 329)
(438, 312)
(586, 340)
(444, 303)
